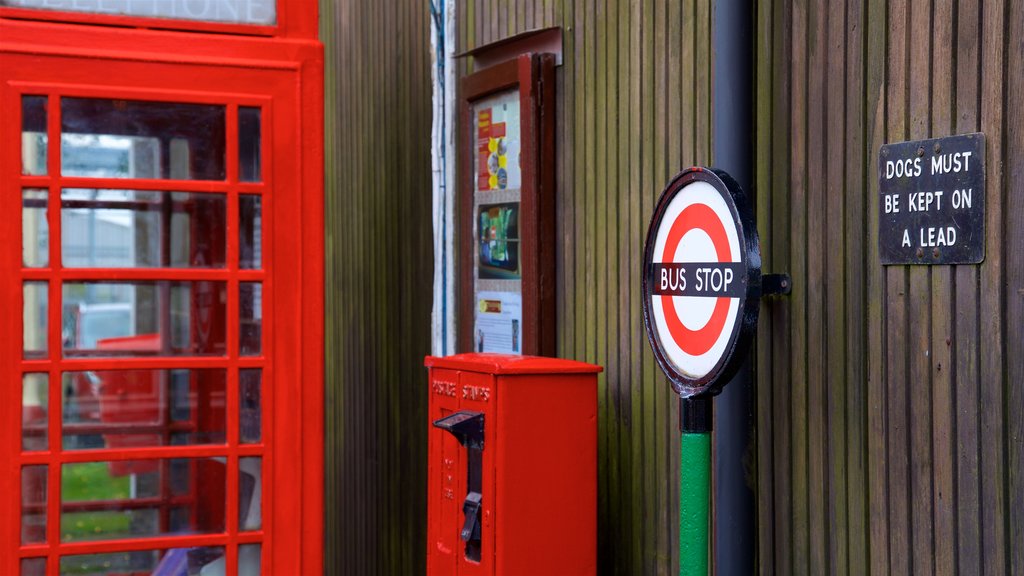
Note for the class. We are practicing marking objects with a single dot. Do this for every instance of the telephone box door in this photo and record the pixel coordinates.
(154, 355)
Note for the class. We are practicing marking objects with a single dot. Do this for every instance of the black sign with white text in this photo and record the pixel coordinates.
(931, 207)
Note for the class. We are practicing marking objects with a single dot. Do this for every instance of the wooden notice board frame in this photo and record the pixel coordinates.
(533, 77)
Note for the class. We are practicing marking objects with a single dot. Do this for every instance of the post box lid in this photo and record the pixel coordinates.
(510, 364)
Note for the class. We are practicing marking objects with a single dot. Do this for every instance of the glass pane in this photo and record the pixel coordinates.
(249, 560)
(33, 135)
(250, 316)
(249, 155)
(260, 12)
(143, 408)
(33, 567)
(250, 489)
(135, 498)
(33, 504)
(144, 318)
(35, 229)
(35, 392)
(130, 228)
(136, 139)
(249, 389)
(496, 148)
(250, 232)
(173, 562)
(34, 317)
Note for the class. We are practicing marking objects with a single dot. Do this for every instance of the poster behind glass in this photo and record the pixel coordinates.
(497, 262)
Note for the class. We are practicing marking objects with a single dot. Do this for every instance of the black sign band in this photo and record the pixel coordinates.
(700, 279)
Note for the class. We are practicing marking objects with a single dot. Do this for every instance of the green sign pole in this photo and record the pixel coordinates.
(695, 415)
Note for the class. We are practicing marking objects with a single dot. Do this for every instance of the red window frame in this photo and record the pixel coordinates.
(284, 78)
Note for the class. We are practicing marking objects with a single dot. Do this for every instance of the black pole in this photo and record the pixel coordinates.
(732, 129)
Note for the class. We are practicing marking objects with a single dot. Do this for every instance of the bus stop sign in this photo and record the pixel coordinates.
(701, 280)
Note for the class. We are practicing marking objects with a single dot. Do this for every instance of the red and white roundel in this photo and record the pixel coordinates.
(697, 227)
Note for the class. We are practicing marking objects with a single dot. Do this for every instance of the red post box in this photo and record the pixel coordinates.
(513, 466)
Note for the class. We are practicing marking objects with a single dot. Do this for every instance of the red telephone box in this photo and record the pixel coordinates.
(161, 259)
(512, 472)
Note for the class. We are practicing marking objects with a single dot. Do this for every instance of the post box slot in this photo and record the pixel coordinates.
(468, 429)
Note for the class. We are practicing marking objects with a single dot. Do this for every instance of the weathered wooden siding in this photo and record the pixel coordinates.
(634, 107)
(379, 274)
(891, 399)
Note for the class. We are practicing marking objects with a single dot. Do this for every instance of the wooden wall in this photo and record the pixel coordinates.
(634, 108)
(891, 399)
(379, 274)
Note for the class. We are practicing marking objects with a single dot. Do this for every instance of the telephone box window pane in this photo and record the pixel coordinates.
(35, 229)
(254, 12)
(250, 229)
(129, 498)
(116, 409)
(33, 504)
(249, 559)
(33, 567)
(35, 394)
(249, 154)
(139, 229)
(250, 317)
(34, 317)
(250, 383)
(164, 318)
(108, 138)
(250, 489)
(173, 562)
(33, 135)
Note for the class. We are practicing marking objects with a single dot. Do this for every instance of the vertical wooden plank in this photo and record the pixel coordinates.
(638, 227)
(1015, 285)
(918, 345)
(628, 275)
(943, 505)
(660, 468)
(967, 337)
(782, 309)
(896, 314)
(798, 338)
(597, 188)
(834, 321)
(855, 289)
(817, 418)
(567, 186)
(878, 392)
(762, 187)
(992, 312)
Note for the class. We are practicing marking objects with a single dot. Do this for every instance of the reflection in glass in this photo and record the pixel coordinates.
(109, 138)
(142, 408)
(250, 231)
(35, 229)
(35, 395)
(129, 498)
(250, 316)
(249, 155)
(250, 489)
(130, 228)
(33, 135)
(176, 562)
(249, 390)
(249, 560)
(33, 504)
(33, 567)
(34, 317)
(144, 318)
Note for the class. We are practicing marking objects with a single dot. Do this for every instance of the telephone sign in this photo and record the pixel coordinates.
(701, 280)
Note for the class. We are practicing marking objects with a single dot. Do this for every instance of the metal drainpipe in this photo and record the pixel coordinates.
(732, 129)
